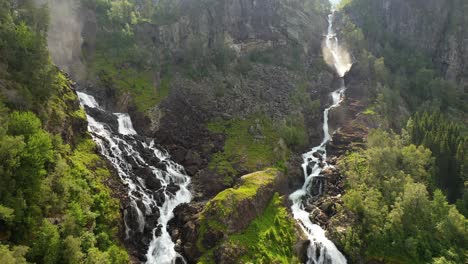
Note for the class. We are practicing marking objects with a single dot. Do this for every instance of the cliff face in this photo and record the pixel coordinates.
(246, 85)
(258, 58)
(436, 28)
(243, 25)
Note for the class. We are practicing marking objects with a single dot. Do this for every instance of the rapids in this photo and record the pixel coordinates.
(130, 155)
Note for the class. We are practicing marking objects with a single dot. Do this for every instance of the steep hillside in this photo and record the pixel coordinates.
(437, 29)
(55, 202)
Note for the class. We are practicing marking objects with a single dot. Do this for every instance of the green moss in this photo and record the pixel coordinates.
(207, 258)
(269, 238)
(243, 147)
(223, 206)
(139, 83)
(369, 111)
(80, 114)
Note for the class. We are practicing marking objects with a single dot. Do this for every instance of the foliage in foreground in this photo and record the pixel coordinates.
(395, 218)
(52, 197)
(54, 206)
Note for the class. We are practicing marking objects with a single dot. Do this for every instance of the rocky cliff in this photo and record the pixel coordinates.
(435, 28)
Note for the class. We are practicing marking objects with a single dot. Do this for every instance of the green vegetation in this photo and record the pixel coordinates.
(222, 209)
(448, 142)
(395, 218)
(253, 143)
(129, 80)
(225, 202)
(53, 193)
(258, 142)
(54, 206)
(268, 238)
(28, 76)
(400, 76)
(289, 57)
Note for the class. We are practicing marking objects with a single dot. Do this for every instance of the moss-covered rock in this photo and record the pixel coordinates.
(269, 238)
(232, 209)
(249, 221)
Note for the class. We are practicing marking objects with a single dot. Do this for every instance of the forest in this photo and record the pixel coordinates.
(45, 180)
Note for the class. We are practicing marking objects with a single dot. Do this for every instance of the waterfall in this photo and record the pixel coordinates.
(125, 124)
(321, 249)
(155, 184)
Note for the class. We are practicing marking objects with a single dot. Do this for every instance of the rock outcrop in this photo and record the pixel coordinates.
(205, 230)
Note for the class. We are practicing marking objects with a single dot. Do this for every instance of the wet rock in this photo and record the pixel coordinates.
(319, 217)
(209, 182)
(332, 160)
(152, 182)
(160, 165)
(184, 228)
(158, 230)
(159, 197)
(104, 117)
(172, 188)
(178, 154)
(328, 207)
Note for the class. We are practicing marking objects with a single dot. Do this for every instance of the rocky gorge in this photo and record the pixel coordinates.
(259, 94)
(253, 88)
(234, 91)
(233, 131)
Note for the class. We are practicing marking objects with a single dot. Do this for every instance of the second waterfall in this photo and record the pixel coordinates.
(321, 249)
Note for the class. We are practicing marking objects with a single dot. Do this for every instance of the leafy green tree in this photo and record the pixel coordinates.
(46, 247)
(395, 219)
(72, 251)
(14, 256)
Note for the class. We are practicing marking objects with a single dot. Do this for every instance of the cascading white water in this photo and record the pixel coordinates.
(120, 148)
(88, 100)
(125, 124)
(321, 249)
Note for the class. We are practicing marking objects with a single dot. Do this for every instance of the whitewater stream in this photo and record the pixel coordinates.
(139, 163)
(321, 249)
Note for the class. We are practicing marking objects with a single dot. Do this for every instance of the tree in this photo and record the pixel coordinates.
(14, 256)
(46, 247)
(72, 251)
(387, 199)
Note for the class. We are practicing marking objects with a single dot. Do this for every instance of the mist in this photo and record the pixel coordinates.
(64, 36)
(337, 57)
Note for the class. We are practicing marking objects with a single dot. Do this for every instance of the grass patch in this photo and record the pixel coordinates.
(138, 83)
(251, 142)
(270, 237)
